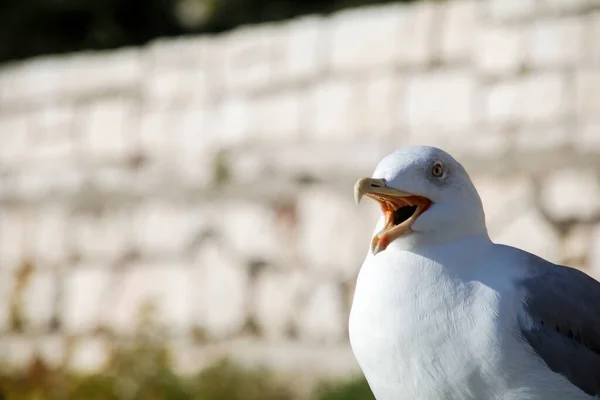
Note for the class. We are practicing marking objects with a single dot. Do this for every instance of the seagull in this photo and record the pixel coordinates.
(440, 312)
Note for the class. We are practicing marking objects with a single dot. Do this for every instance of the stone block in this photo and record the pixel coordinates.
(588, 93)
(500, 50)
(39, 300)
(441, 100)
(222, 291)
(541, 98)
(418, 24)
(458, 30)
(15, 131)
(176, 87)
(593, 256)
(556, 43)
(588, 139)
(277, 117)
(528, 230)
(165, 288)
(575, 246)
(592, 39)
(48, 180)
(323, 318)
(106, 237)
(383, 105)
(156, 140)
(49, 241)
(51, 349)
(89, 355)
(17, 352)
(511, 10)
(250, 230)
(181, 52)
(500, 196)
(276, 300)
(304, 50)
(52, 134)
(569, 5)
(547, 137)
(86, 293)
(109, 128)
(15, 228)
(233, 120)
(557, 202)
(367, 38)
(162, 229)
(44, 80)
(324, 245)
(252, 58)
(7, 286)
(336, 108)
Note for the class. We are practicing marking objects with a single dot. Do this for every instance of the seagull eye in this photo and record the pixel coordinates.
(437, 170)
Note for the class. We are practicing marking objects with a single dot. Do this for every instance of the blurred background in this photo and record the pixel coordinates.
(176, 211)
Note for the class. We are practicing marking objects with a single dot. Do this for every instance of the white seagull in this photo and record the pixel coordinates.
(440, 312)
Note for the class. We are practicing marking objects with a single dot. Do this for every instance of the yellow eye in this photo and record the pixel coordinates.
(437, 170)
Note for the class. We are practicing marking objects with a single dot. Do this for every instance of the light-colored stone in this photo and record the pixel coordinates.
(233, 120)
(546, 137)
(500, 197)
(569, 5)
(86, 292)
(383, 105)
(441, 99)
(277, 297)
(156, 139)
(39, 300)
(221, 298)
(72, 77)
(89, 355)
(277, 117)
(106, 237)
(366, 39)
(536, 99)
(458, 30)
(511, 10)
(15, 228)
(558, 197)
(162, 229)
(500, 50)
(51, 137)
(51, 349)
(592, 39)
(109, 128)
(575, 246)
(251, 57)
(528, 230)
(49, 241)
(588, 139)
(322, 318)
(556, 43)
(165, 288)
(48, 180)
(249, 229)
(304, 49)
(336, 110)
(17, 352)
(593, 256)
(324, 245)
(588, 93)
(176, 87)
(417, 27)
(15, 129)
(7, 285)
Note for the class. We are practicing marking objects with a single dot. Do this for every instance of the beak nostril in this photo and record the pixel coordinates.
(375, 185)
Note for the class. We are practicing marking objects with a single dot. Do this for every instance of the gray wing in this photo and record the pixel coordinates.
(564, 329)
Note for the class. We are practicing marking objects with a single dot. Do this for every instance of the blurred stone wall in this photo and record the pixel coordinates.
(211, 177)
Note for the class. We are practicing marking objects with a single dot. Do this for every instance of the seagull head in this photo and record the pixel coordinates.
(425, 195)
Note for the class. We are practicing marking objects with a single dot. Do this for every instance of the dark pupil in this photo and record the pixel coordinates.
(437, 170)
(403, 213)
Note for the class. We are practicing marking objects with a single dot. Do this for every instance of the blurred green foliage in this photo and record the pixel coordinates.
(140, 369)
(34, 27)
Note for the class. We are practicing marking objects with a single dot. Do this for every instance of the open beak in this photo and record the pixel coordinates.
(399, 208)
